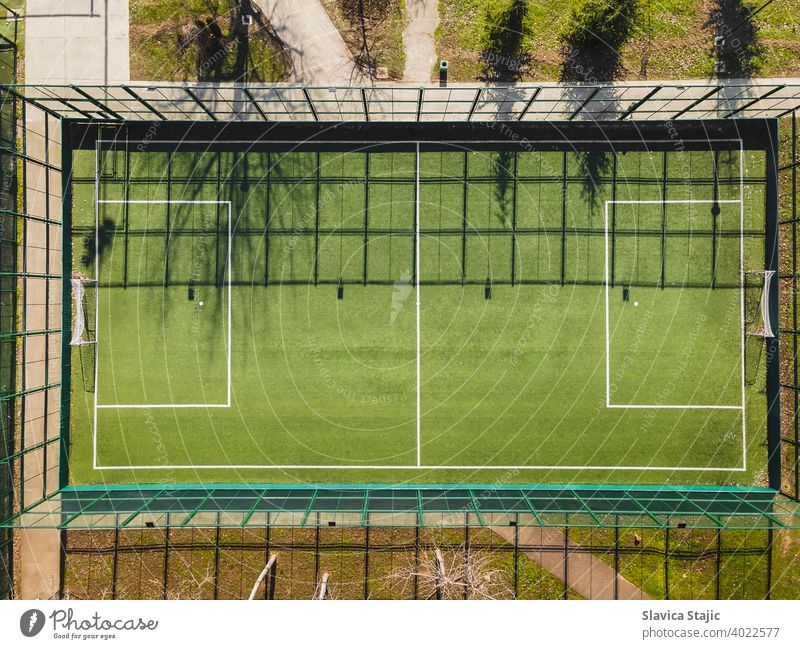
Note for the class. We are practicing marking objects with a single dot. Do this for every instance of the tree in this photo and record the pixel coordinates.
(454, 573)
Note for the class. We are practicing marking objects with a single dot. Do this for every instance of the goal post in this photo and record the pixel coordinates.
(757, 288)
(84, 301)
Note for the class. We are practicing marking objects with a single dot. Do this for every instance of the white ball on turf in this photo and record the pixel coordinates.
(201, 304)
(634, 304)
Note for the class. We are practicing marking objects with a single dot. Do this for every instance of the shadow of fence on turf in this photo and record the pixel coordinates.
(293, 227)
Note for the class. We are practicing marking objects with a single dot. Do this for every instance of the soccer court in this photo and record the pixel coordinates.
(417, 314)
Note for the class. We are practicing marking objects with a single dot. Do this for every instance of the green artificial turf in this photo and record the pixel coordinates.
(512, 389)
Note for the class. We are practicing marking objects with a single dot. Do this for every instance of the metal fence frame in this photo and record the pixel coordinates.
(647, 100)
(8, 299)
(385, 563)
(31, 288)
(789, 329)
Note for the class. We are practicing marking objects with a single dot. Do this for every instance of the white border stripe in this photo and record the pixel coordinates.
(471, 467)
(141, 406)
(96, 297)
(123, 406)
(675, 407)
(608, 317)
(419, 465)
(230, 294)
(741, 283)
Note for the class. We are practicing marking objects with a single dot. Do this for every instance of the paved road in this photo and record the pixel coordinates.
(422, 19)
(65, 43)
(318, 52)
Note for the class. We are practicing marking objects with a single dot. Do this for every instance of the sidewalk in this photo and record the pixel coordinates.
(319, 54)
(66, 42)
(586, 574)
(418, 40)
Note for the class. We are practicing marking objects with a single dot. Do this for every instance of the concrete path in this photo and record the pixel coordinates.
(319, 54)
(77, 41)
(66, 41)
(586, 574)
(422, 18)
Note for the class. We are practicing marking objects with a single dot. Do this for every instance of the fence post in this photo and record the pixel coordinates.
(366, 216)
(663, 278)
(366, 562)
(316, 229)
(115, 563)
(768, 594)
(268, 218)
(514, 222)
(216, 560)
(717, 586)
(566, 553)
(465, 195)
(563, 216)
(416, 562)
(266, 559)
(616, 556)
(466, 558)
(666, 561)
(165, 578)
(516, 555)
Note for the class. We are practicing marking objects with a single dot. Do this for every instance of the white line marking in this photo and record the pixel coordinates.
(471, 467)
(676, 407)
(114, 406)
(608, 337)
(110, 406)
(170, 202)
(688, 200)
(741, 282)
(416, 275)
(431, 467)
(96, 296)
(230, 300)
(608, 317)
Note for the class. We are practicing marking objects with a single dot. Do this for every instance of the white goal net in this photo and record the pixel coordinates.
(84, 295)
(757, 303)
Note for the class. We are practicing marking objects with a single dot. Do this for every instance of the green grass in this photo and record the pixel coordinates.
(675, 36)
(515, 381)
(156, 55)
(692, 571)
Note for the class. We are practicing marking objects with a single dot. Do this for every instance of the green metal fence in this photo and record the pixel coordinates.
(646, 100)
(30, 299)
(129, 506)
(32, 485)
(8, 296)
(390, 563)
(322, 217)
(789, 327)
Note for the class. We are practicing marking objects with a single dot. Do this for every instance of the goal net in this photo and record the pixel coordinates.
(84, 300)
(757, 285)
